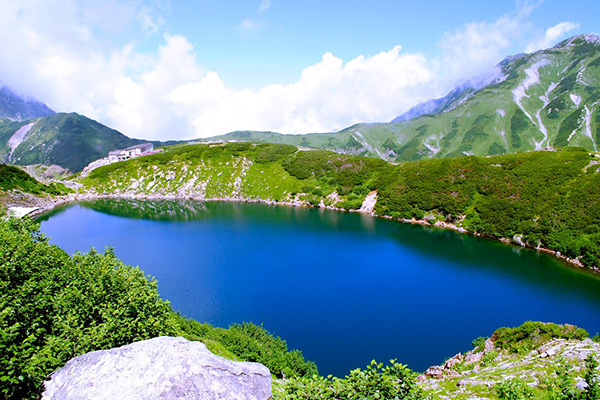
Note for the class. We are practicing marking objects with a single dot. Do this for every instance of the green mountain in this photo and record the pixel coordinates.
(549, 98)
(69, 140)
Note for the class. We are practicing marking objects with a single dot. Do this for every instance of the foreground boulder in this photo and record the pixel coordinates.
(159, 368)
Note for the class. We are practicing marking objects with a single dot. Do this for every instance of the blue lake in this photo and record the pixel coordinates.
(344, 288)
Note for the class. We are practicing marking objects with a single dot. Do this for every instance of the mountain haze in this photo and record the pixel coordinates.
(18, 108)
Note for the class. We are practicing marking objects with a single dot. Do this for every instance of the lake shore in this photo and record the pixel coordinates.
(42, 205)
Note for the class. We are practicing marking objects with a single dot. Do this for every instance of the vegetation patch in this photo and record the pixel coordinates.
(530, 335)
(13, 178)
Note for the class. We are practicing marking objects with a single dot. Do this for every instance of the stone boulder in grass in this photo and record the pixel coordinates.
(160, 368)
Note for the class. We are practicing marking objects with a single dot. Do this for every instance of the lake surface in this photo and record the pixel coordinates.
(344, 288)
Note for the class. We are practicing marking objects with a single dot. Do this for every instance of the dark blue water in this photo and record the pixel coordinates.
(343, 288)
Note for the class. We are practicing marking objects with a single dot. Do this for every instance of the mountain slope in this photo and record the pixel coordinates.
(69, 140)
(546, 99)
(550, 98)
(18, 108)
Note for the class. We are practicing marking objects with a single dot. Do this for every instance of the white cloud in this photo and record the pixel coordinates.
(249, 25)
(329, 95)
(552, 36)
(264, 5)
(50, 49)
(477, 47)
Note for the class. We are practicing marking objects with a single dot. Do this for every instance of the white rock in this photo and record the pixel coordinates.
(160, 368)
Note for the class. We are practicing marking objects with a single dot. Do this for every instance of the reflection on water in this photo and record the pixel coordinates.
(344, 288)
(159, 210)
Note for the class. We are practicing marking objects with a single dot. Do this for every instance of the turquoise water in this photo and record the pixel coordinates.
(344, 288)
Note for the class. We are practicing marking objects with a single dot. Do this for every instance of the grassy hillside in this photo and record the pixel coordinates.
(541, 199)
(69, 140)
(15, 179)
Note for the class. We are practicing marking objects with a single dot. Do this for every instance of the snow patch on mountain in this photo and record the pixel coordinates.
(434, 148)
(588, 125)
(546, 99)
(532, 77)
(361, 139)
(17, 138)
(575, 99)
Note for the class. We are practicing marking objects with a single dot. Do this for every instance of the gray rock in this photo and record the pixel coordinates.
(161, 368)
(581, 385)
(489, 346)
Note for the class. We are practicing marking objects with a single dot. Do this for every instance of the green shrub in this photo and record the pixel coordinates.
(54, 306)
(514, 389)
(478, 344)
(249, 342)
(488, 358)
(267, 153)
(532, 334)
(394, 381)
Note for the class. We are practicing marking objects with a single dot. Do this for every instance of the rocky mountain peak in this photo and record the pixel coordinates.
(579, 40)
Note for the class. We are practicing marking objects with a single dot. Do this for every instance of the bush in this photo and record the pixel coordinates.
(394, 381)
(532, 334)
(514, 389)
(54, 307)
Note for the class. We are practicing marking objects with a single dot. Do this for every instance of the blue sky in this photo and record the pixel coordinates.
(182, 69)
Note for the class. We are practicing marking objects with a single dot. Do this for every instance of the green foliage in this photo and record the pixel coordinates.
(478, 344)
(251, 342)
(489, 358)
(533, 334)
(393, 381)
(514, 389)
(519, 125)
(592, 379)
(266, 153)
(566, 128)
(13, 178)
(54, 306)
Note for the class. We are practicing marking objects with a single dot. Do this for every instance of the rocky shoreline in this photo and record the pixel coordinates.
(48, 203)
(476, 372)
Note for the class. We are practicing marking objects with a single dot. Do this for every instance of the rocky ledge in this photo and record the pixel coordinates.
(160, 368)
(472, 375)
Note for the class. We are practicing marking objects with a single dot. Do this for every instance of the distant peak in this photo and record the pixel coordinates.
(579, 40)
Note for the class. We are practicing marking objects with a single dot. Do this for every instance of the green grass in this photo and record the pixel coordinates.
(13, 178)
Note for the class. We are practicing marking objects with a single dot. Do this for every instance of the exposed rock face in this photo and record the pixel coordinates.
(160, 368)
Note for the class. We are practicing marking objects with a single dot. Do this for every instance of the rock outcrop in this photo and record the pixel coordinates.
(159, 368)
